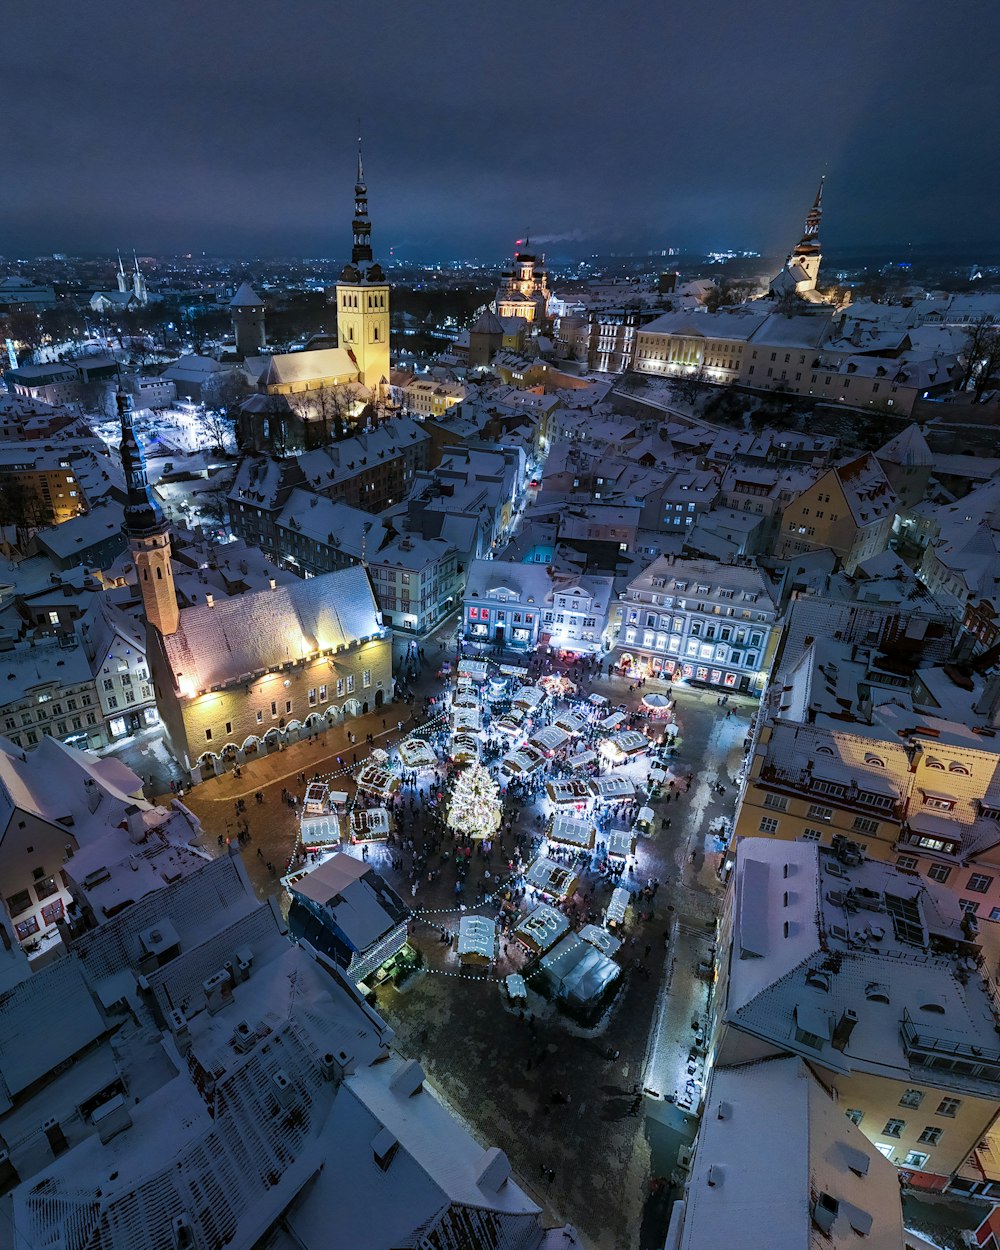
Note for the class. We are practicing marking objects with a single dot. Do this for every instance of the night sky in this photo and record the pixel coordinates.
(229, 125)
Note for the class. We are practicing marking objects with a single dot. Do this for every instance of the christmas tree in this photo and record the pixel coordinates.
(475, 803)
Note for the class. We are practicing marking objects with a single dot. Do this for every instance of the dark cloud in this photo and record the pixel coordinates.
(228, 125)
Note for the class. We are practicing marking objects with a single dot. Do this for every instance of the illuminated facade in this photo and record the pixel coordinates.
(362, 296)
(700, 621)
(524, 290)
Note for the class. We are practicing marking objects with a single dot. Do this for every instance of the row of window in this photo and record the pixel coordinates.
(318, 696)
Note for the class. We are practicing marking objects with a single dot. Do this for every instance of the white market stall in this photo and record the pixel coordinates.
(568, 793)
(570, 722)
(376, 780)
(541, 929)
(549, 739)
(516, 989)
(582, 759)
(551, 878)
(512, 722)
(528, 697)
(465, 748)
(611, 789)
(604, 941)
(475, 670)
(617, 907)
(415, 753)
(371, 825)
(621, 843)
(524, 761)
(613, 721)
(572, 831)
(320, 825)
(477, 941)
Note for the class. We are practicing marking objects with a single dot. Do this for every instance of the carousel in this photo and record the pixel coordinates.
(558, 684)
(656, 705)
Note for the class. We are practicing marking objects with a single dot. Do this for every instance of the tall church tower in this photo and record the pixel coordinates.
(139, 283)
(147, 529)
(363, 299)
(808, 253)
(124, 285)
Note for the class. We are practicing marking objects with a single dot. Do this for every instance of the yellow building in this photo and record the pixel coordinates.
(240, 674)
(233, 676)
(850, 754)
(524, 290)
(876, 980)
(362, 296)
(850, 510)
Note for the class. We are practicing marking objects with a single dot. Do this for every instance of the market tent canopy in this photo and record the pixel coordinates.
(657, 701)
(578, 970)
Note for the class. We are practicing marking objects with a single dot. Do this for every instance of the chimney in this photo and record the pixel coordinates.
(135, 824)
(843, 1029)
(209, 600)
(93, 793)
(272, 583)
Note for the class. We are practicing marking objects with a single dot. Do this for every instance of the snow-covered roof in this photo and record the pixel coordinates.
(246, 296)
(253, 632)
(296, 368)
(770, 1127)
(359, 902)
(904, 941)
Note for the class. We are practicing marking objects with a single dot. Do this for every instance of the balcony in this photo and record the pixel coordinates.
(938, 1047)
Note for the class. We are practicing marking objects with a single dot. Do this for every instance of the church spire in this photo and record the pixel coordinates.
(361, 251)
(810, 238)
(143, 515)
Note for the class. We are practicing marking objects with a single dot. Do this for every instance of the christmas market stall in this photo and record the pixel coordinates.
(374, 777)
(512, 722)
(550, 739)
(370, 825)
(415, 753)
(623, 746)
(614, 916)
(465, 748)
(612, 722)
(528, 697)
(549, 877)
(611, 789)
(524, 761)
(541, 929)
(645, 820)
(516, 989)
(572, 831)
(577, 973)
(320, 825)
(570, 722)
(582, 759)
(621, 843)
(475, 670)
(604, 941)
(572, 794)
(477, 941)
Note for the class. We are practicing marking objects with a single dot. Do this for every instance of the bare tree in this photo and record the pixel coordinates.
(982, 355)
